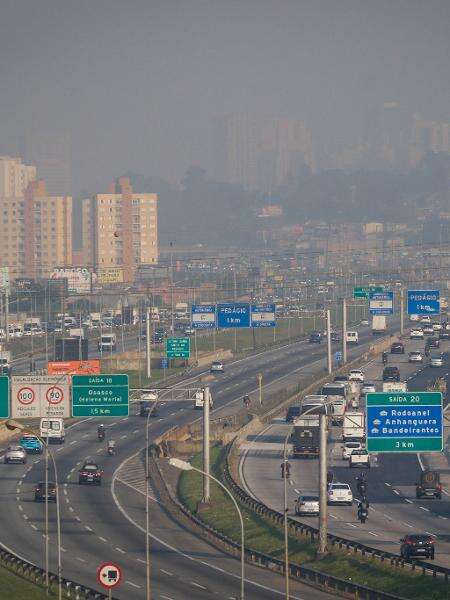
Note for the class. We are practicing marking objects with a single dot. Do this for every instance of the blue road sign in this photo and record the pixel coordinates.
(338, 356)
(381, 303)
(423, 302)
(164, 363)
(203, 316)
(263, 315)
(233, 315)
(404, 422)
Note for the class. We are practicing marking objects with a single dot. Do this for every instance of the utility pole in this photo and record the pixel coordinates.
(344, 331)
(171, 289)
(402, 312)
(206, 482)
(329, 361)
(149, 343)
(7, 314)
(323, 508)
(260, 377)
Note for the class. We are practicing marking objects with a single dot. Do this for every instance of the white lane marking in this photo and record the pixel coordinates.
(429, 533)
(65, 491)
(352, 525)
(25, 517)
(72, 443)
(123, 437)
(165, 572)
(59, 449)
(33, 526)
(388, 484)
(135, 585)
(166, 597)
(19, 483)
(20, 508)
(202, 587)
(333, 516)
(88, 528)
(78, 519)
(71, 509)
(441, 517)
(80, 559)
(396, 492)
(102, 539)
(136, 431)
(141, 560)
(372, 533)
(423, 508)
(120, 550)
(407, 525)
(409, 501)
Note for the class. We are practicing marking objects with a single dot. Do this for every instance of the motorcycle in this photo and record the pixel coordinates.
(362, 488)
(101, 435)
(362, 513)
(384, 358)
(111, 450)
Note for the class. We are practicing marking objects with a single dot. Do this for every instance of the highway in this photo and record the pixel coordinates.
(394, 510)
(104, 523)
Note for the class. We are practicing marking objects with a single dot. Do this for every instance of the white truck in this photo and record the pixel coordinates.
(77, 332)
(353, 429)
(52, 429)
(199, 400)
(352, 337)
(337, 394)
(379, 325)
(107, 342)
(395, 386)
(181, 310)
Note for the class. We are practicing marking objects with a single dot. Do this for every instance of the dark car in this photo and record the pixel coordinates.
(147, 407)
(417, 544)
(429, 485)
(432, 342)
(335, 339)
(315, 337)
(293, 411)
(341, 378)
(391, 374)
(90, 473)
(39, 492)
(444, 334)
(157, 338)
(397, 348)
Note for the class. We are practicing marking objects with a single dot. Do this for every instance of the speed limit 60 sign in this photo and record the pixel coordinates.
(38, 396)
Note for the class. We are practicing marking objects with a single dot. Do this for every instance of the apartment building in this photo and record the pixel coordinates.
(35, 232)
(120, 230)
(14, 176)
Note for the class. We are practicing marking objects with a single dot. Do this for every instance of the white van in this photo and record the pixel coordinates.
(352, 337)
(107, 342)
(199, 400)
(52, 429)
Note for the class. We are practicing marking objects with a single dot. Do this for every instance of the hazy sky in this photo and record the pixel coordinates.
(135, 83)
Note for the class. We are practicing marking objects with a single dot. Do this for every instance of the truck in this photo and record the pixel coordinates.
(77, 332)
(395, 386)
(5, 362)
(181, 310)
(32, 325)
(338, 394)
(379, 325)
(305, 437)
(71, 348)
(95, 319)
(52, 429)
(199, 400)
(353, 429)
(107, 342)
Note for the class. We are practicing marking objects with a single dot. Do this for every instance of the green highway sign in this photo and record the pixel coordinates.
(404, 422)
(4, 397)
(100, 396)
(179, 347)
(363, 292)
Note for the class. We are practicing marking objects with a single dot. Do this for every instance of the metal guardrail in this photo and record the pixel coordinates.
(302, 529)
(36, 575)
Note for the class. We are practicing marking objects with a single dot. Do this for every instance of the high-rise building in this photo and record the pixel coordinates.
(261, 152)
(50, 153)
(120, 230)
(14, 176)
(35, 232)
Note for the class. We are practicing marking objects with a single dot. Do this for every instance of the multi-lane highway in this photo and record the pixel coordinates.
(106, 523)
(394, 510)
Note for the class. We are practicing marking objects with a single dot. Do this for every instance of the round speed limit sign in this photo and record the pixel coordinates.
(54, 395)
(25, 396)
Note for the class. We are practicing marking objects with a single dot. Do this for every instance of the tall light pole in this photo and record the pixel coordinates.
(186, 466)
(344, 331)
(329, 360)
(402, 311)
(149, 342)
(15, 425)
(285, 522)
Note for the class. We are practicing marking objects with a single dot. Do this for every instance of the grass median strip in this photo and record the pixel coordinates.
(266, 537)
(14, 587)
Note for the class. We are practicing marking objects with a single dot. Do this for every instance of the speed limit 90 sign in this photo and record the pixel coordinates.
(40, 396)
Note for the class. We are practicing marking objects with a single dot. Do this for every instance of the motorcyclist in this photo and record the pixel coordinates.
(361, 483)
(363, 512)
(246, 400)
(285, 465)
(384, 357)
(111, 447)
(101, 431)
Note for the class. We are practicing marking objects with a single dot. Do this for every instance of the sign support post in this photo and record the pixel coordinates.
(206, 461)
(344, 330)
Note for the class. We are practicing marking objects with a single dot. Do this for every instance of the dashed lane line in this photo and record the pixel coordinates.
(423, 508)
(135, 585)
(120, 550)
(102, 539)
(164, 571)
(202, 587)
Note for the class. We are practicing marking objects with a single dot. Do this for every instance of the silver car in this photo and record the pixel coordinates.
(15, 454)
(436, 360)
(307, 506)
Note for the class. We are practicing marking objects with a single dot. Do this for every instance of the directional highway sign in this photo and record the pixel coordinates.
(203, 316)
(363, 292)
(404, 422)
(263, 315)
(423, 302)
(4, 397)
(381, 303)
(100, 396)
(178, 347)
(235, 314)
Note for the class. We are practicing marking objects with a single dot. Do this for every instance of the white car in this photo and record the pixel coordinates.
(436, 360)
(413, 317)
(428, 330)
(425, 319)
(356, 375)
(340, 493)
(368, 387)
(416, 334)
(415, 357)
(307, 506)
(437, 326)
(365, 323)
(349, 447)
(217, 367)
(359, 458)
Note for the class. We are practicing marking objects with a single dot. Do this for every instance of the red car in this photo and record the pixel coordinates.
(90, 473)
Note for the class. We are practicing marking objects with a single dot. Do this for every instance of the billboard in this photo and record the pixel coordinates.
(79, 279)
(37, 396)
(74, 367)
(203, 316)
(107, 276)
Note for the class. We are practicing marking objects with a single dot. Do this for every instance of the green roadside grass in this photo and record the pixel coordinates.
(263, 536)
(14, 587)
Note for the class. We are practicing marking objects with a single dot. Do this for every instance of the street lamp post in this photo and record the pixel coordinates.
(12, 425)
(186, 466)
